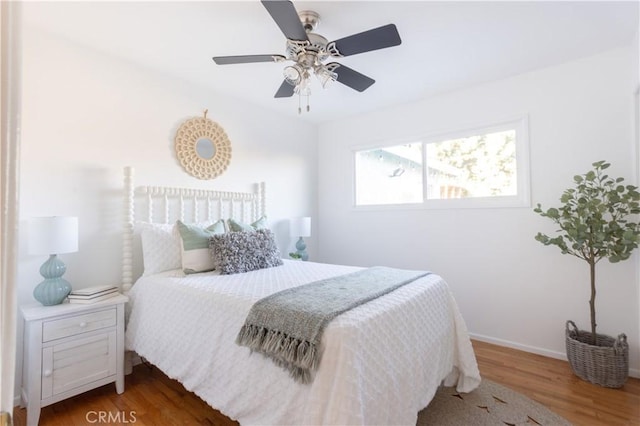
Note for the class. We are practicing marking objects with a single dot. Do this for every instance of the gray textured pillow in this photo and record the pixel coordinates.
(245, 251)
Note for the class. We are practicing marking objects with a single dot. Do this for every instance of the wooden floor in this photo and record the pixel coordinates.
(151, 398)
(551, 383)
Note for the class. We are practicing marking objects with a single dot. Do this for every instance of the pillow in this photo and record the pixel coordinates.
(160, 248)
(237, 252)
(194, 244)
(236, 226)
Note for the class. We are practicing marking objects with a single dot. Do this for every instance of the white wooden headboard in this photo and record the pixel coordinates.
(159, 204)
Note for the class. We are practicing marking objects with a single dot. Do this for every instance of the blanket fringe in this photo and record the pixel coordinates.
(298, 356)
(296, 346)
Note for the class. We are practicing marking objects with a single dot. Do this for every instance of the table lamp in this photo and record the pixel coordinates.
(52, 235)
(301, 227)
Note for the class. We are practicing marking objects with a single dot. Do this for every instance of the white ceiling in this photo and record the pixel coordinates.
(445, 45)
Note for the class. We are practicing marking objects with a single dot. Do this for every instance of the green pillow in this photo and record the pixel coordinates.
(237, 226)
(194, 242)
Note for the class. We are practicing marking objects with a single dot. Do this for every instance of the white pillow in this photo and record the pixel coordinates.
(160, 247)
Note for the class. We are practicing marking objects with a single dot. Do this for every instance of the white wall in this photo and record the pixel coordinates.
(86, 116)
(510, 288)
(636, 82)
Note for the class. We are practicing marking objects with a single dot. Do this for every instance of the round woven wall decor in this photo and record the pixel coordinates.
(203, 147)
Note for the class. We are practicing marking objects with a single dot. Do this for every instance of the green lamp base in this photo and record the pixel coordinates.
(54, 289)
(301, 249)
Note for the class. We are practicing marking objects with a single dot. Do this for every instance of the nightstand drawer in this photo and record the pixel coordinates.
(77, 324)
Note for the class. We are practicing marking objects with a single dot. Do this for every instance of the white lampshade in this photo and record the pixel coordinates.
(53, 235)
(300, 227)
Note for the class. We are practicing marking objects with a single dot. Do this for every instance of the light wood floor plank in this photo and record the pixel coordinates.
(156, 400)
(551, 383)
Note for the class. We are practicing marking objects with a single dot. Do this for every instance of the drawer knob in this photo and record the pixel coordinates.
(47, 373)
(83, 324)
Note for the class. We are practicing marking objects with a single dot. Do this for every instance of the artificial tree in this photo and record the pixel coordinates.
(596, 221)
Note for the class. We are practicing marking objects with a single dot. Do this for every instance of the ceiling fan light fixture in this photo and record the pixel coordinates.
(325, 76)
(303, 88)
(293, 74)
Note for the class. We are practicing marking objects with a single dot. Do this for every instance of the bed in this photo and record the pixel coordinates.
(382, 361)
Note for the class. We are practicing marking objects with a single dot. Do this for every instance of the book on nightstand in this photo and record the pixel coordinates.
(93, 294)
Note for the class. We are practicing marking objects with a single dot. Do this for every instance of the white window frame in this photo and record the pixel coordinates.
(521, 199)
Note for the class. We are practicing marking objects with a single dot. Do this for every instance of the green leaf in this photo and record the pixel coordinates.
(596, 218)
(553, 213)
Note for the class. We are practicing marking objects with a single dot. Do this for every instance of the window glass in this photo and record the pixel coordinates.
(485, 167)
(475, 166)
(390, 175)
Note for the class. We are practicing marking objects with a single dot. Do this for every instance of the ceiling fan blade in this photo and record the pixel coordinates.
(247, 59)
(377, 38)
(285, 90)
(351, 78)
(286, 16)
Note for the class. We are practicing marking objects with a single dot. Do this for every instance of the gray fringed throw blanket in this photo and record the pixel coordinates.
(287, 326)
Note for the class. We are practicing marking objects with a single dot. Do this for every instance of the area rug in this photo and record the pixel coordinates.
(490, 404)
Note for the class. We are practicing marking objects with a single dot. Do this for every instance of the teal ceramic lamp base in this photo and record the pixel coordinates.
(301, 248)
(54, 289)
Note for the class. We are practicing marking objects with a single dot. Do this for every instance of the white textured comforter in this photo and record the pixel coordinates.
(381, 362)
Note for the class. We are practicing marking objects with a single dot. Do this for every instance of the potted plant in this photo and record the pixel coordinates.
(595, 221)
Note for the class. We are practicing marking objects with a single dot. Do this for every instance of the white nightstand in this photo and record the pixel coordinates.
(70, 349)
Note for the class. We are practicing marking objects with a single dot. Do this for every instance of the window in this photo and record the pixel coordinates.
(483, 167)
(390, 175)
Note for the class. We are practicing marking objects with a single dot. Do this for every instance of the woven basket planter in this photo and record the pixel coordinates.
(606, 363)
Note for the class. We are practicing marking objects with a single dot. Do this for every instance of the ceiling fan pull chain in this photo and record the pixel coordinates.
(299, 103)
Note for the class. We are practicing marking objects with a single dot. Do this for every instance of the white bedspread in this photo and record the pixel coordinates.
(381, 362)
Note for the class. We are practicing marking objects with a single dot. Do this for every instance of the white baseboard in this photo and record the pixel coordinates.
(535, 350)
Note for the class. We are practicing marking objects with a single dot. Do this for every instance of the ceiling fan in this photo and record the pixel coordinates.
(309, 51)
